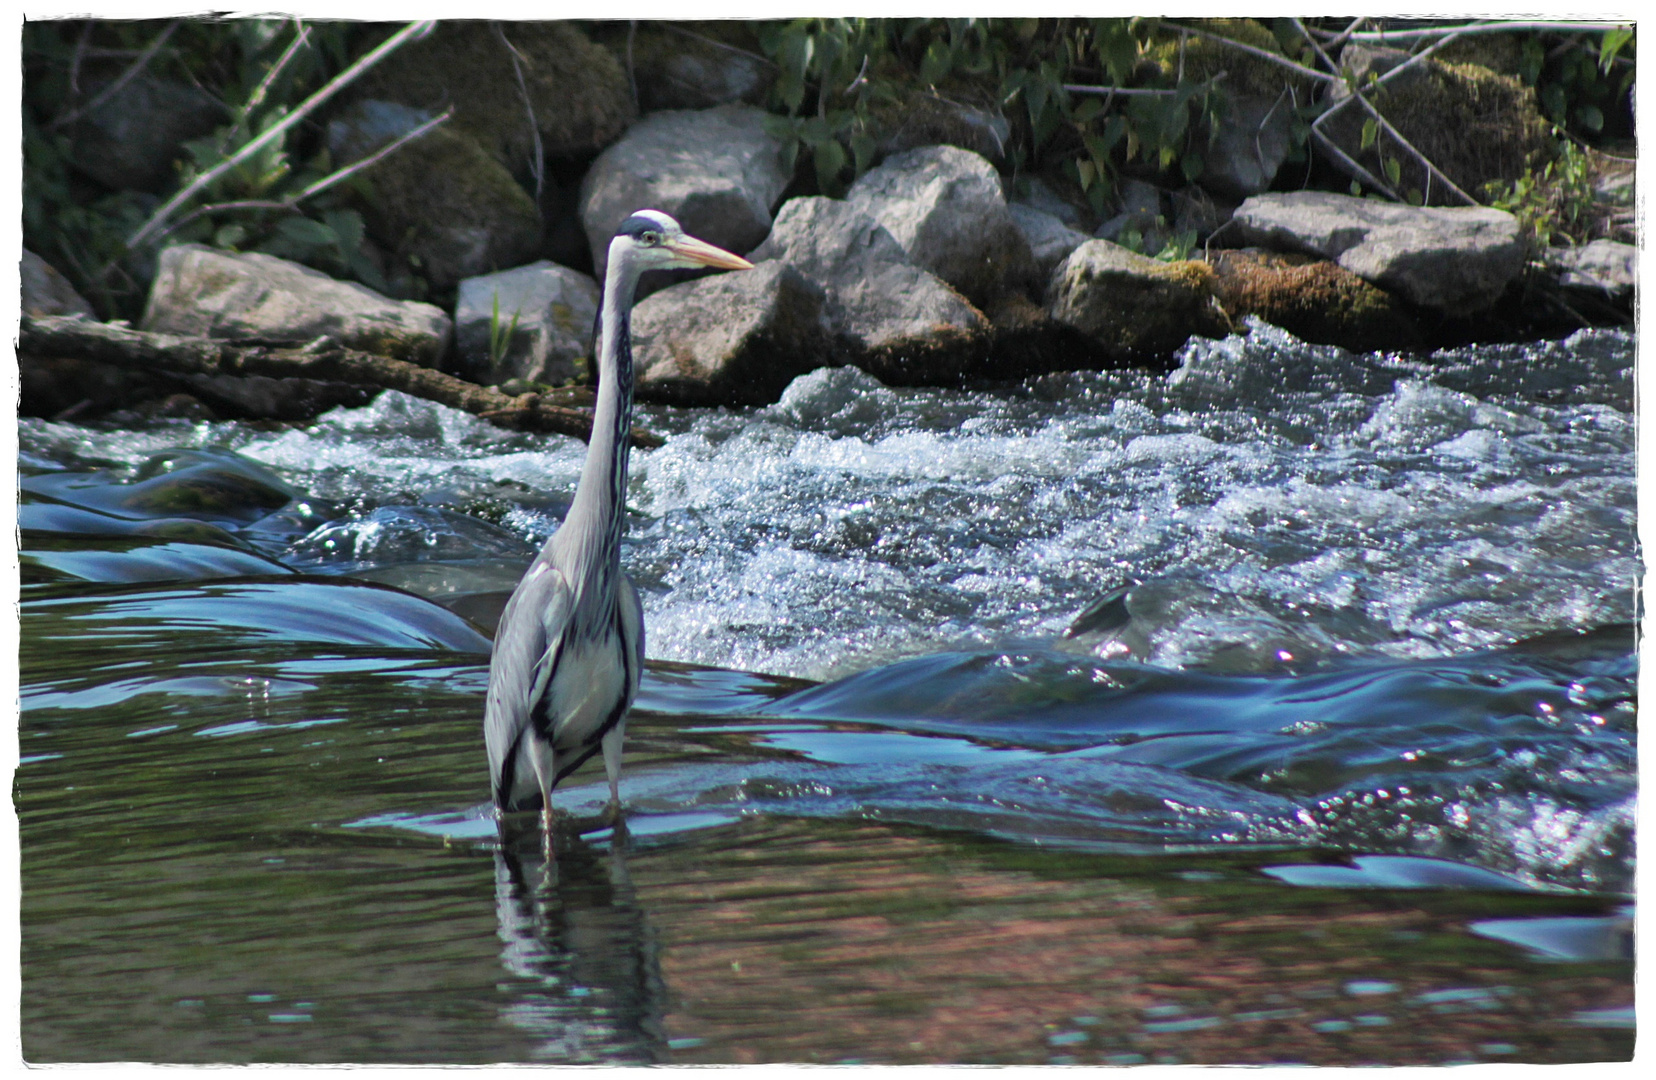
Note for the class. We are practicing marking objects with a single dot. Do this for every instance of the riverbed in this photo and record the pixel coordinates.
(1277, 709)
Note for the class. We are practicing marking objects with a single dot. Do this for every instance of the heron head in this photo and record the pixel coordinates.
(654, 241)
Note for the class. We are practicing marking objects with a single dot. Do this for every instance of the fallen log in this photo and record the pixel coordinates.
(121, 346)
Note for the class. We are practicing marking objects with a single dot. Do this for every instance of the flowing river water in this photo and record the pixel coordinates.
(1277, 709)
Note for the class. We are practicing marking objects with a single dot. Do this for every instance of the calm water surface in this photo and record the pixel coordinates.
(1337, 765)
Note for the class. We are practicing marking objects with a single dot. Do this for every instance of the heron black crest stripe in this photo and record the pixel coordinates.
(637, 225)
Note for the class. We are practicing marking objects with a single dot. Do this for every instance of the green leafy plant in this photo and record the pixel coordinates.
(500, 334)
(1553, 202)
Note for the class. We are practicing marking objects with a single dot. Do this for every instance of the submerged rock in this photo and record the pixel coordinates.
(1133, 306)
(731, 339)
(894, 319)
(545, 314)
(206, 292)
(1456, 260)
(945, 207)
(718, 171)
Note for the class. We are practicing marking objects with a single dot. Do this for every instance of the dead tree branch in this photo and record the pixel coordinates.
(119, 346)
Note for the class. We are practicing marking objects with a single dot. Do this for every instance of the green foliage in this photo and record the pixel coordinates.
(500, 334)
(834, 76)
(260, 71)
(1553, 202)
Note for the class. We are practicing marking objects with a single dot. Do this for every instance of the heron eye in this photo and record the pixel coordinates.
(651, 239)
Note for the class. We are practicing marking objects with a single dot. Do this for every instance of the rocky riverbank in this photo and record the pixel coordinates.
(945, 260)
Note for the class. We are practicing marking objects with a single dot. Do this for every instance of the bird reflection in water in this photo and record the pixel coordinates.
(587, 975)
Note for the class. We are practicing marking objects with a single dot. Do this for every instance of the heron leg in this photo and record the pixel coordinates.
(612, 768)
(546, 774)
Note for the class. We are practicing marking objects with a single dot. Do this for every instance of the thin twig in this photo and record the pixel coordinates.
(1484, 28)
(1351, 163)
(1264, 54)
(1345, 35)
(716, 43)
(291, 203)
(255, 99)
(632, 73)
(81, 49)
(537, 163)
(1431, 169)
(311, 104)
(125, 77)
(1107, 91)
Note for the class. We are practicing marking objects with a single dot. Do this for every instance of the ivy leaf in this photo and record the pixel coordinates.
(1371, 131)
(1590, 117)
(1394, 170)
(1087, 110)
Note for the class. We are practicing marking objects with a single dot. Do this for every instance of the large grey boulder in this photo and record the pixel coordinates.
(718, 171)
(1606, 266)
(730, 339)
(945, 207)
(675, 70)
(1132, 306)
(1456, 260)
(442, 202)
(47, 292)
(1248, 146)
(1050, 240)
(894, 319)
(497, 75)
(131, 139)
(543, 315)
(205, 292)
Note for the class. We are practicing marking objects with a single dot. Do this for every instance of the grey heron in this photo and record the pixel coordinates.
(570, 644)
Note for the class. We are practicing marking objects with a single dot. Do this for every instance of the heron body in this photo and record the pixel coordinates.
(570, 645)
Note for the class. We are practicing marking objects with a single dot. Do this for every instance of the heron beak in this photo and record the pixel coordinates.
(701, 253)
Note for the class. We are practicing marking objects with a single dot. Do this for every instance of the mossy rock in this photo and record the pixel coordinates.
(578, 90)
(1313, 299)
(1474, 124)
(1245, 74)
(448, 205)
(1135, 308)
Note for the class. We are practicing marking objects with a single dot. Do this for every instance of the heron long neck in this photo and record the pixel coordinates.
(600, 500)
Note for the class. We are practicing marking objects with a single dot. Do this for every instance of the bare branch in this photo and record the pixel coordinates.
(1264, 54)
(1362, 174)
(716, 43)
(1431, 169)
(311, 104)
(291, 203)
(127, 348)
(1110, 91)
(256, 98)
(1492, 27)
(125, 77)
(537, 164)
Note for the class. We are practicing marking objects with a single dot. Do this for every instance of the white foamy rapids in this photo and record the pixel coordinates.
(1279, 504)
